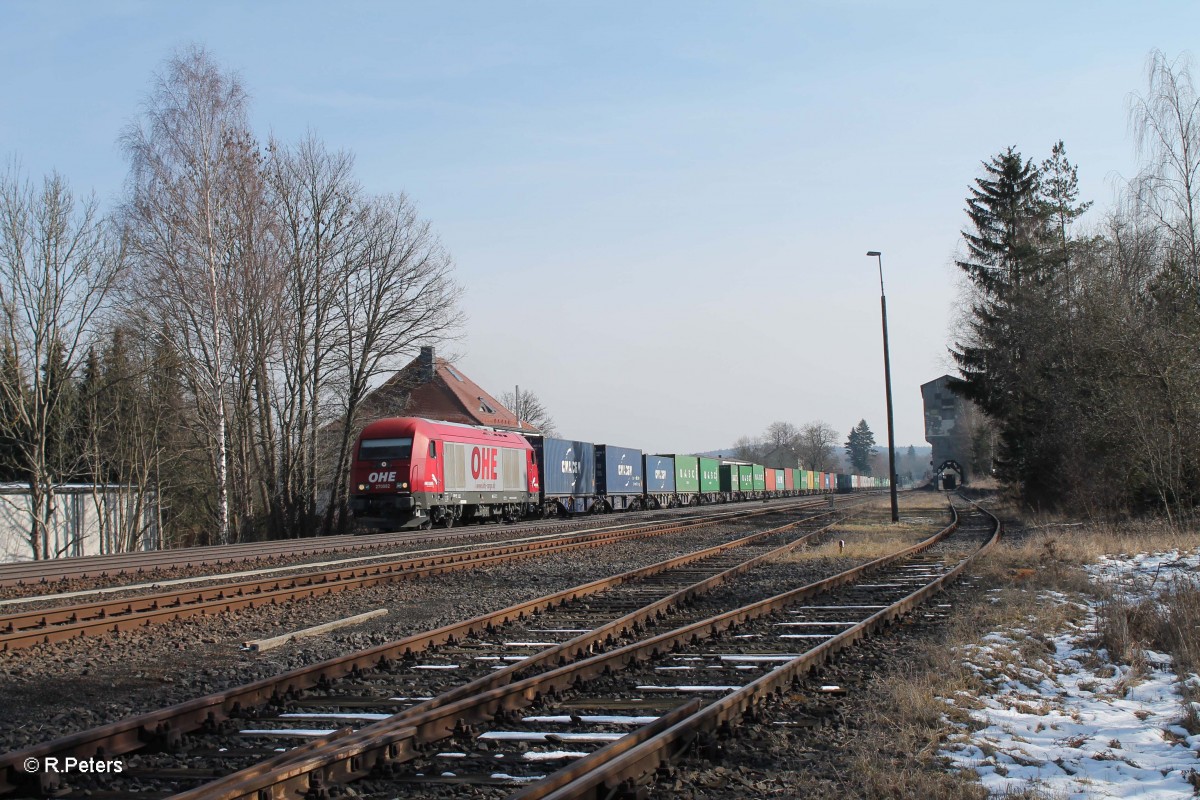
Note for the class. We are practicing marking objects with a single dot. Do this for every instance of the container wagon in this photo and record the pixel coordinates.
(746, 479)
(727, 474)
(710, 480)
(687, 479)
(567, 469)
(660, 481)
(619, 483)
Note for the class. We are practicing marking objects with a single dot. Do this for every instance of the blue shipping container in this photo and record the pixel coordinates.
(660, 474)
(565, 467)
(618, 470)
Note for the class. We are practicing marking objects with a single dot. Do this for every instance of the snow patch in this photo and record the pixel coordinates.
(1072, 723)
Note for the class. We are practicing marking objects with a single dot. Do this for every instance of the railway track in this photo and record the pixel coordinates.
(617, 716)
(20, 629)
(840, 618)
(43, 575)
(607, 610)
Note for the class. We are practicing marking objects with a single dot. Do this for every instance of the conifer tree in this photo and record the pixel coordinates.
(87, 418)
(1005, 265)
(12, 462)
(1059, 196)
(1004, 208)
(860, 447)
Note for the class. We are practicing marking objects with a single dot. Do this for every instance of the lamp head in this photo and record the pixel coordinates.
(874, 253)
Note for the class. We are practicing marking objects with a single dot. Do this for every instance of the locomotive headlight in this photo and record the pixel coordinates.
(404, 485)
(382, 463)
(362, 487)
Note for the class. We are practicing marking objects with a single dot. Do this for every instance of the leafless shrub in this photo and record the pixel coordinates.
(58, 265)
(1167, 622)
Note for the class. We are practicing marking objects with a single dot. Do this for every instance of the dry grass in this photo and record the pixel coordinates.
(872, 534)
(1051, 555)
(863, 545)
(1168, 622)
(908, 719)
(897, 758)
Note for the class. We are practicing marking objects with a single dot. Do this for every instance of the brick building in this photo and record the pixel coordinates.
(434, 388)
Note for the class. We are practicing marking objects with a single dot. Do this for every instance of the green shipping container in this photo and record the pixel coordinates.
(746, 476)
(728, 475)
(710, 475)
(805, 481)
(797, 479)
(760, 478)
(687, 474)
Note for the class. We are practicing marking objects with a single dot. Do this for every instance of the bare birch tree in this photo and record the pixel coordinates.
(1166, 125)
(190, 156)
(313, 196)
(747, 448)
(58, 265)
(782, 443)
(126, 437)
(398, 293)
(528, 407)
(816, 446)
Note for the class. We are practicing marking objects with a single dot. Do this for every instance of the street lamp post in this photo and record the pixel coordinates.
(887, 381)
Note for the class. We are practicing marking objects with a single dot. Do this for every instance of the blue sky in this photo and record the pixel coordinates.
(659, 210)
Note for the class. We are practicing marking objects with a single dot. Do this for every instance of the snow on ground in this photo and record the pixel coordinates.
(1071, 724)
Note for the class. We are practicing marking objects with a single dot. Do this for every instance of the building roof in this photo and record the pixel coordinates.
(938, 381)
(436, 389)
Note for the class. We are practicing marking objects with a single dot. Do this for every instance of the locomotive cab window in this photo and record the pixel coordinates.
(384, 449)
(433, 449)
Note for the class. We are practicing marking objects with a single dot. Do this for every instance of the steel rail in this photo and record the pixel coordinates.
(608, 769)
(109, 565)
(165, 726)
(354, 755)
(478, 541)
(591, 524)
(28, 628)
(28, 573)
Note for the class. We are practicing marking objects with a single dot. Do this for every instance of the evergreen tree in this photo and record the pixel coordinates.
(860, 447)
(1019, 347)
(912, 467)
(1006, 212)
(62, 445)
(1059, 197)
(87, 419)
(1014, 309)
(13, 466)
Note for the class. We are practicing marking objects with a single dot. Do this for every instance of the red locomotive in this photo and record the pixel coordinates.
(413, 472)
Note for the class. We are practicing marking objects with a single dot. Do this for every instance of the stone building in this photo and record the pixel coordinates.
(947, 429)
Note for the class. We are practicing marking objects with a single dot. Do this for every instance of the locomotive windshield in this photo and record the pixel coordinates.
(384, 449)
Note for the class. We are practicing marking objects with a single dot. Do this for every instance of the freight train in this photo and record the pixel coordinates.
(412, 472)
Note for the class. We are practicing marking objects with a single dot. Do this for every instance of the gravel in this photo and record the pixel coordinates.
(52, 690)
(775, 757)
